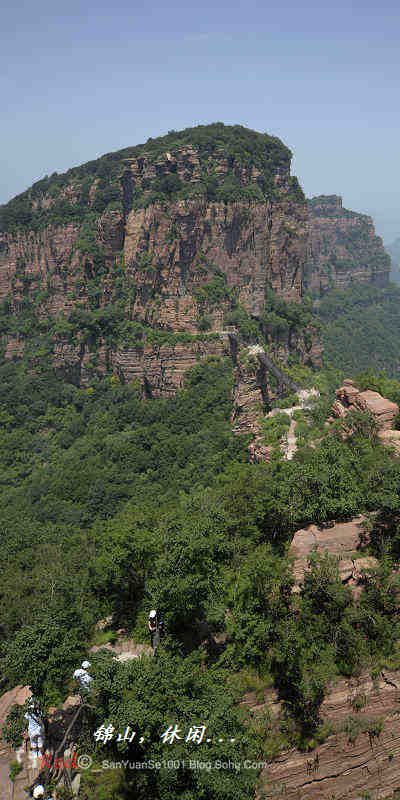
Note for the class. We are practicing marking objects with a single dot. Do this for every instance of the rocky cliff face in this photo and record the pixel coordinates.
(138, 264)
(253, 244)
(133, 266)
(360, 758)
(344, 248)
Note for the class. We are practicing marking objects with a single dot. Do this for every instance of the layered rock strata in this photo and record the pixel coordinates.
(359, 760)
(349, 398)
(176, 267)
(343, 540)
(131, 265)
(344, 247)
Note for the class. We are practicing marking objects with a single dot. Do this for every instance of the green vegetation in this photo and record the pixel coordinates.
(15, 769)
(100, 179)
(112, 505)
(285, 319)
(361, 329)
(275, 428)
(281, 322)
(15, 725)
(215, 292)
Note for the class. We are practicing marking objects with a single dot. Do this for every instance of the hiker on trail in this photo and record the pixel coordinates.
(156, 627)
(35, 729)
(83, 679)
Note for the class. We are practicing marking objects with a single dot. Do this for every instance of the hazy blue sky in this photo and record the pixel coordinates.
(82, 79)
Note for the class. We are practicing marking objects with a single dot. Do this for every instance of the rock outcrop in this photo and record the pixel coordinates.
(167, 264)
(132, 265)
(56, 765)
(344, 248)
(349, 398)
(361, 757)
(124, 649)
(343, 540)
(9, 790)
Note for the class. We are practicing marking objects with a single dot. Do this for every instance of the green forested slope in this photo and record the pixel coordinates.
(111, 505)
(361, 329)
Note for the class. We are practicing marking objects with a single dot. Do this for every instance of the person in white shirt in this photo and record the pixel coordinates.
(35, 728)
(156, 628)
(39, 792)
(83, 679)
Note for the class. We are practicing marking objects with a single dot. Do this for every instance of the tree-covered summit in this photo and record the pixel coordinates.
(241, 146)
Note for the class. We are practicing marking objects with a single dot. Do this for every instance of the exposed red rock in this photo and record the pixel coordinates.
(18, 695)
(360, 757)
(391, 439)
(163, 255)
(163, 367)
(340, 768)
(251, 243)
(124, 649)
(384, 411)
(160, 257)
(349, 398)
(342, 540)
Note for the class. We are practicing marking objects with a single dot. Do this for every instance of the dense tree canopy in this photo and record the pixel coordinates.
(112, 505)
(361, 329)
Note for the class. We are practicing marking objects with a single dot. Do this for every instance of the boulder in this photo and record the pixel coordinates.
(362, 565)
(349, 398)
(17, 695)
(384, 411)
(391, 439)
(342, 540)
(72, 701)
(124, 649)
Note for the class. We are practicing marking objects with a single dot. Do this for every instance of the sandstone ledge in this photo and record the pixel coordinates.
(342, 540)
(349, 398)
(347, 764)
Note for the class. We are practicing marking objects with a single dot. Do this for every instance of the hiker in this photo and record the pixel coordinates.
(83, 679)
(156, 628)
(35, 729)
(39, 792)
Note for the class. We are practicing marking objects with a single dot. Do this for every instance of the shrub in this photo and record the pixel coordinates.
(15, 769)
(14, 726)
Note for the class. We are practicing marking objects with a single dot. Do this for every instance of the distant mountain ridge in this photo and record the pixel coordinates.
(344, 248)
(394, 250)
